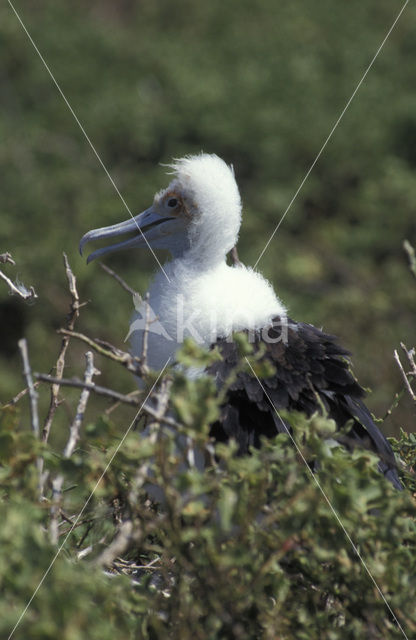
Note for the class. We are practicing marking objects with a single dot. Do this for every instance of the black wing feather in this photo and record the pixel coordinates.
(311, 371)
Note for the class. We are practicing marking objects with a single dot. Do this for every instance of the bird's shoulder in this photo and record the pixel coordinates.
(305, 360)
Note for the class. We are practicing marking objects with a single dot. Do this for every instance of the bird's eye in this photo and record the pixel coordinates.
(172, 202)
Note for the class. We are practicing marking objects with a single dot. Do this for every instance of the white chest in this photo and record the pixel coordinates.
(201, 305)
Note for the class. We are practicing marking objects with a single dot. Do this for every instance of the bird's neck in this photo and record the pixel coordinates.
(204, 302)
(219, 299)
(200, 257)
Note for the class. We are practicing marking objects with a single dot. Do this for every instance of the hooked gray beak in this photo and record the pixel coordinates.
(147, 226)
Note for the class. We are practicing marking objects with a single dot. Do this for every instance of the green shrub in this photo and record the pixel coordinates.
(248, 547)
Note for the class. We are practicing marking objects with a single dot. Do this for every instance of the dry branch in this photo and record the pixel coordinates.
(411, 256)
(156, 414)
(33, 396)
(33, 401)
(117, 403)
(73, 438)
(131, 363)
(20, 395)
(146, 332)
(126, 535)
(79, 384)
(410, 375)
(6, 257)
(60, 363)
(90, 371)
(16, 288)
(119, 279)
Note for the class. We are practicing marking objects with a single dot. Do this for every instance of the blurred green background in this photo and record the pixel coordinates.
(260, 83)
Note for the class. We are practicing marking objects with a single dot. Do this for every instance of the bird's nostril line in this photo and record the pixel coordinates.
(146, 227)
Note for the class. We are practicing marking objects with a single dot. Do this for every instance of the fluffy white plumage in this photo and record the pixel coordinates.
(208, 187)
(204, 297)
(205, 304)
(197, 217)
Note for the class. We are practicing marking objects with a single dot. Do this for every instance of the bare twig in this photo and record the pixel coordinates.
(411, 256)
(60, 363)
(33, 396)
(117, 403)
(162, 397)
(6, 257)
(146, 332)
(90, 371)
(33, 401)
(131, 363)
(78, 384)
(20, 395)
(128, 566)
(127, 534)
(397, 397)
(85, 552)
(119, 279)
(65, 517)
(81, 523)
(82, 553)
(19, 288)
(410, 375)
(55, 508)
(74, 430)
(129, 399)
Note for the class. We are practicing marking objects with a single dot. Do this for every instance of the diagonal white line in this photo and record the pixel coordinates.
(331, 132)
(85, 135)
(86, 503)
(338, 519)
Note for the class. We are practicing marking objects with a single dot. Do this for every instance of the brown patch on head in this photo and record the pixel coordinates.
(180, 209)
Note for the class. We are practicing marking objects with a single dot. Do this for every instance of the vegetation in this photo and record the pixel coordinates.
(259, 83)
(248, 548)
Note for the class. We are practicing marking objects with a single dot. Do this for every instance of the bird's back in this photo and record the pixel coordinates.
(311, 374)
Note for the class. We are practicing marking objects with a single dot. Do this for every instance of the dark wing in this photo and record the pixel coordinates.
(312, 371)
